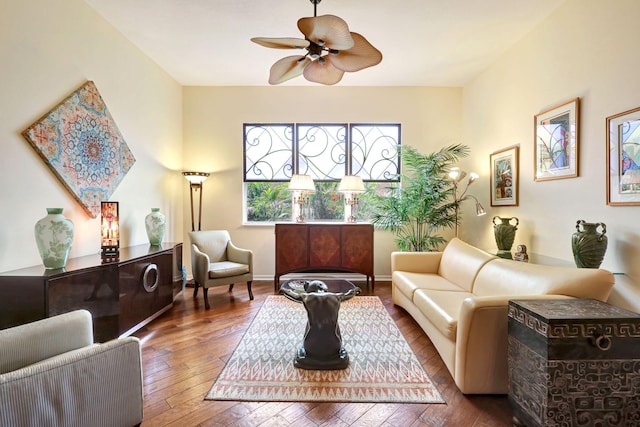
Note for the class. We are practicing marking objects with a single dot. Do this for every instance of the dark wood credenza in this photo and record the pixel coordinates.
(324, 247)
(122, 296)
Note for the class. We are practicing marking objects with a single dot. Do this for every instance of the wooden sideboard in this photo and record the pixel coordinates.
(122, 296)
(324, 247)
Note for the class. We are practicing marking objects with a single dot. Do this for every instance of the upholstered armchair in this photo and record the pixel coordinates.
(216, 261)
(52, 374)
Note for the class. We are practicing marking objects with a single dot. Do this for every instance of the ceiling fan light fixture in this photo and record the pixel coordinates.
(323, 72)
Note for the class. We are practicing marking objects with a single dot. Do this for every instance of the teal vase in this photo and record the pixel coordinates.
(155, 224)
(54, 237)
(588, 244)
(505, 232)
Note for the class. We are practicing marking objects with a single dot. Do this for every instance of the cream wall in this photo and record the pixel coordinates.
(213, 119)
(585, 49)
(48, 48)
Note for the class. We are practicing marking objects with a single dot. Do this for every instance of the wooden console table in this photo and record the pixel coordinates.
(324, 247)
(122, 296)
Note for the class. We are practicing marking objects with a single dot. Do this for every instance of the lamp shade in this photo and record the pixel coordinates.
(351, 184)
(195, 177)
(302, 183)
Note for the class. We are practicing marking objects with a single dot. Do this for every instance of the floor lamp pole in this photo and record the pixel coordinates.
(193, 227)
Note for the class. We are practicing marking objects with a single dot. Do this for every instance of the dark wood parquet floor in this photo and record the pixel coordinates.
(185, 349)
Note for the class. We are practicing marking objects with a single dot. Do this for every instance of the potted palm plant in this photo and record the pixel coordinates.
(425, 203)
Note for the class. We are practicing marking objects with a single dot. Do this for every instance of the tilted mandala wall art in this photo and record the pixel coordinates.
(82, 145)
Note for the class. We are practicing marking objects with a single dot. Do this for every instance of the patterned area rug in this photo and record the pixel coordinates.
(382, 366)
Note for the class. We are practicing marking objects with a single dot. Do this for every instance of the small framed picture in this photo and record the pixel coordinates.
(504, 177)
(623, 158)
(556, 140)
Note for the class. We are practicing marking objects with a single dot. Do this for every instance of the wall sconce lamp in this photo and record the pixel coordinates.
(301, 186)
(350, 186)
(109, 231)
(457, 175)
(195, 183)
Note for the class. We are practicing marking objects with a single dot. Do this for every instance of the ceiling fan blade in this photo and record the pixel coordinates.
(287, 68)
(281, 42)
(325, 73)
(327, 30)
(361, 55)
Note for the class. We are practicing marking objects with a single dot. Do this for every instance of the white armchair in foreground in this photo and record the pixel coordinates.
(52, 374)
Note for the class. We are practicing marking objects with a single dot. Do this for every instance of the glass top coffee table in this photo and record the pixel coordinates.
(298, 286)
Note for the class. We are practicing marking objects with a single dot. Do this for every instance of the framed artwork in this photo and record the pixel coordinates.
(556, 140)
(82, 145)
(504, 177)
(623, 158)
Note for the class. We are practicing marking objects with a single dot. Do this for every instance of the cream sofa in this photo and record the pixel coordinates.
(460, 296)
(52, 374)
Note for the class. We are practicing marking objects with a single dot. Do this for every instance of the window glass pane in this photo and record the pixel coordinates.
(268, 152)
(321, 150)
(374, 152)
(268, 201)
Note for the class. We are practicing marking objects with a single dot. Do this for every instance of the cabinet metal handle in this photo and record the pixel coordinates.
(145, 278)
(602, 341)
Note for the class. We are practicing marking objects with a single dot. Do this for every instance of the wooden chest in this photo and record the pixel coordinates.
(573, 362)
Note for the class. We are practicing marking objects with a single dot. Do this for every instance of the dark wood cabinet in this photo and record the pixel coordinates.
(122, 296)
(315, 247)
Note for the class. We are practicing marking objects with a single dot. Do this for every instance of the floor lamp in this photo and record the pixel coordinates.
(456, 176)
(195, 183)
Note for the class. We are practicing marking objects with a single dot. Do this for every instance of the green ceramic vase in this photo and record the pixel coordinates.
(505, 232)
(588, 244)
(54, 237)
(155, 224)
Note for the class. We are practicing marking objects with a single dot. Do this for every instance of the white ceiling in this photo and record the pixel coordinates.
(424, 42)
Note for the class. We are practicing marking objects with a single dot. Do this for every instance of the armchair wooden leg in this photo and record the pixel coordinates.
(195, 289)
(231, 287)
(249, 289)
(205, 292)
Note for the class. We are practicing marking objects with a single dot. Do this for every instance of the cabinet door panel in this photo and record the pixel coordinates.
(96, 291)
(324, 250)
(145, 287)
(357, 248)
(291, 247)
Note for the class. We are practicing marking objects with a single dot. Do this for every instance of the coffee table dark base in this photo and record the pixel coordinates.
(339, 360)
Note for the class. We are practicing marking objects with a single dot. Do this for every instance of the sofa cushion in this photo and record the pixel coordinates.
(226, 269)
(408, 282)
(442, 308)
(506, 277)
(461, 262)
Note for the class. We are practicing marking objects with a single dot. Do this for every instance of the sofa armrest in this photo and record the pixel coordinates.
(199, 265)
(481, 343)
(239, 255)
(99, 385)
(32, 342)
(416, 262)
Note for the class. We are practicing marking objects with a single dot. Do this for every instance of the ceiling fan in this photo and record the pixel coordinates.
(331, 50)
